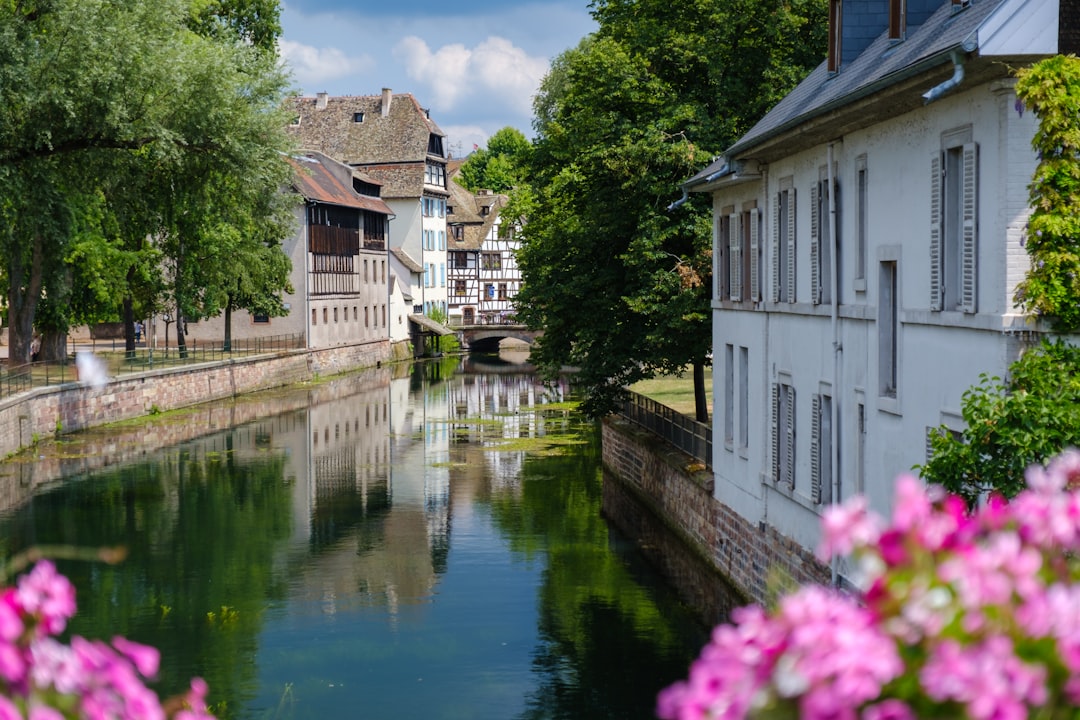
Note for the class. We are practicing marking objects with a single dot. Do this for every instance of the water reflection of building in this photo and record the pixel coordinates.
(511, 401)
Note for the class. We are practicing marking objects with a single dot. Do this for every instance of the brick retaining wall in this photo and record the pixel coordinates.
(71, 407)
(669, 483)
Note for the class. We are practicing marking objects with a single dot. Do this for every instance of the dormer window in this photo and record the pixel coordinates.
(358, 117)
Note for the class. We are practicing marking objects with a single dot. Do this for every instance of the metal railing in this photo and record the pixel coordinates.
(685, 433)
(21, 378)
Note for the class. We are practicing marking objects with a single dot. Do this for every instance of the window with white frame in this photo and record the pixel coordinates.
(783, 433)
(888, 328)
(822, 243)
(729, 396)
(821, 449)
(783, 244)
(954, 223)
(861, 188)
(744, 398)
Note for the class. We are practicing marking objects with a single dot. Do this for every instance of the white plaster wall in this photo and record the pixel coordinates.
(940, 354)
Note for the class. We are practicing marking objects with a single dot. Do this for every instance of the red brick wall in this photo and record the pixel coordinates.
(667, 481)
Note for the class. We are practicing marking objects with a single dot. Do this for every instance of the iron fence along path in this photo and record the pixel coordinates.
(685, 433)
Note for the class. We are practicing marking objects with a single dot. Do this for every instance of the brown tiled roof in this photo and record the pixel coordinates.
(392, 149)
(468, 212)
(321, 179)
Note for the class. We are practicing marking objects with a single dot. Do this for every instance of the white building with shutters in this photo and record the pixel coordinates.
(868, 241)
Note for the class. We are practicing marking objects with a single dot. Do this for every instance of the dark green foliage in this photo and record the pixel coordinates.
(1028, 418)
(499, 166)
(621, 285)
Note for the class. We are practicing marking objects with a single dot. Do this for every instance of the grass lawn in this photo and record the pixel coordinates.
(676, 392)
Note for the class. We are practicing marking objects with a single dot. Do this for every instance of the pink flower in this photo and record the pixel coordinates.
(847, 526)
(145, 658)
(47, 595)
(8, 710)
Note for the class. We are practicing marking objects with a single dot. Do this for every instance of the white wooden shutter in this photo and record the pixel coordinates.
(935, 233)
(775, 294)
(815, 450)
(815, 241)
(790, 439)
(775, 434)
(755, 231)
(734, 258)
(791, 245)
(969, 239)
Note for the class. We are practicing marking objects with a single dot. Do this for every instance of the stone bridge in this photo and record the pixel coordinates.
(485, 338)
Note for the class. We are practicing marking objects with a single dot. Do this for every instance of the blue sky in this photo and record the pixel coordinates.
(475, 65)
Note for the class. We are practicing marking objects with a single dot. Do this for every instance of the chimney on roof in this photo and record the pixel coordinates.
(320, 101)
(387, 96)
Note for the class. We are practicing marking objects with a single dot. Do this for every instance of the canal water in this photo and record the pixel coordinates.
(421, 541)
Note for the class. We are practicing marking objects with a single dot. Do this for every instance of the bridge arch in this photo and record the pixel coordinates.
(485, 338)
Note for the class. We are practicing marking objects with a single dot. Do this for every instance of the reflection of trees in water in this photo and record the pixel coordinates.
(200, 523)
(607, 644)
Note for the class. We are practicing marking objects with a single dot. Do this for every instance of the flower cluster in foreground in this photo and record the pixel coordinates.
(44, 679)
(962, 614)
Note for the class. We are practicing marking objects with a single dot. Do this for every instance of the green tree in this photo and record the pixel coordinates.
(620, 285)
(120, 99)
(1011, 424)
(1051, 89)
(498, 167)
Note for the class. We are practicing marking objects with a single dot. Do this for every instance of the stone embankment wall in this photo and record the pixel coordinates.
(45, 411)
(670, 484)
(23, 477)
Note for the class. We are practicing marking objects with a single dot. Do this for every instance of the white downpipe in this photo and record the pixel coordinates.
(834, 406)
(306, 224)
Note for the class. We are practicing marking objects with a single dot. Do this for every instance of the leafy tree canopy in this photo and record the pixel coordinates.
(620, 285)
(499, 166)
(118, 123)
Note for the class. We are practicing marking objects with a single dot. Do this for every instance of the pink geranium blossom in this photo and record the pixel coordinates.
(44, 679)
(977, 610)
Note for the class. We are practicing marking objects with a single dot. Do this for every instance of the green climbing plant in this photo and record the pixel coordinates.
(1051, 288)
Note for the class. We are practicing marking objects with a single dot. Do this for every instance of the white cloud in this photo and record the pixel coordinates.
(453, 74)
(462, 138)
(312, 67)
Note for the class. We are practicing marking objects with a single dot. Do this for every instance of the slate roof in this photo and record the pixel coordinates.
(321, 179)
(885, 80)
(392, 149)
(468, 211)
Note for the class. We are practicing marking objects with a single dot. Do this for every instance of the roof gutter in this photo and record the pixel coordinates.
(928, 63)
(724, 170)
(958, 77)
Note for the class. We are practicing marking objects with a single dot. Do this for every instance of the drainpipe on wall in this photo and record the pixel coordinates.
(306, 224)
(957, 77)
(838, 349)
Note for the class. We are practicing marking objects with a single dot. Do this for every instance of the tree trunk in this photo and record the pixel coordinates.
(23, 294)
(701, 405)
(226, 345)
(53, 346)
(181, 341)
(129, 318)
